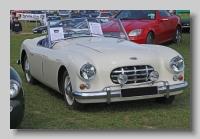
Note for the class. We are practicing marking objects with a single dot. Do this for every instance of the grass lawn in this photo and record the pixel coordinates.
(45, 108)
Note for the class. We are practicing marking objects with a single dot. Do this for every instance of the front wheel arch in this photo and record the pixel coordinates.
(62, 73)
(23, 54)
(60, 76)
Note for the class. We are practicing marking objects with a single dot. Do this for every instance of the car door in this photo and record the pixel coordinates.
(165, 25)
(50, 67)
(35, 60)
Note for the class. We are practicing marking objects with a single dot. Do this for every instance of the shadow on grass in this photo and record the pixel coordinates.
(145, 104)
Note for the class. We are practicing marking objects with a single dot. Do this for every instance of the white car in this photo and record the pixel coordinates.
(51, 19)
(99, 69)
(104, 17)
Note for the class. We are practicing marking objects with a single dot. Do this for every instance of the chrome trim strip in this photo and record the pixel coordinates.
(108, 93)
(135, 70)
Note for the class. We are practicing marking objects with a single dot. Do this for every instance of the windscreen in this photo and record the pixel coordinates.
(91, 28)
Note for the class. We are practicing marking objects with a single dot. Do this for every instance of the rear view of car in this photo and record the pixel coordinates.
(104, 17)
(52, 20)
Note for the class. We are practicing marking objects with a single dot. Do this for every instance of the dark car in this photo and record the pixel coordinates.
(17, 106)
(36, 12)
(91, 13)
(77, 17)
(61, 23)
(147, 26)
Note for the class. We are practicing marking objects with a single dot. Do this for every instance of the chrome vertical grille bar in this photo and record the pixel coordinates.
(147, 71)
(135, 77)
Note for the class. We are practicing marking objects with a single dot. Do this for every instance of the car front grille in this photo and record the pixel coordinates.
(135, 74)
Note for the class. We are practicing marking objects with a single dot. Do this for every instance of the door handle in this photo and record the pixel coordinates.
(45, 56)
(31, 53)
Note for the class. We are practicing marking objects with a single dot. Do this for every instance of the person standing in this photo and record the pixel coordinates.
(16, 26)
(10, 27)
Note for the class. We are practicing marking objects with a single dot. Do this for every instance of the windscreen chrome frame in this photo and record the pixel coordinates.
(118, 21)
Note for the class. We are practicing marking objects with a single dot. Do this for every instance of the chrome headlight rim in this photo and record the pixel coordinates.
(82, 70)
(135, 32)
(154, 76)
(18, 88)
(172, 61)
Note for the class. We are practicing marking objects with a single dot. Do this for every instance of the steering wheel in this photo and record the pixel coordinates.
(68, 31)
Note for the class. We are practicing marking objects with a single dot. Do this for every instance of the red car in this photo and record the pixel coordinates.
(20, 11)
(147, 26)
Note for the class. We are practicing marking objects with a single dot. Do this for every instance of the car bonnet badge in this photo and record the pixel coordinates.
(133, 58)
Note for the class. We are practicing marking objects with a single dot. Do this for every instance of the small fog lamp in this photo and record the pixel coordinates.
(175, 78)
(122, 78)
(87, 85)
(153, 76)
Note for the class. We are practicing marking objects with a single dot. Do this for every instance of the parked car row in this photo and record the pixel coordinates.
(142, 26)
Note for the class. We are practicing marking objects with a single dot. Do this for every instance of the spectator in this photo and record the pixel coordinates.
(16, 26)
(10, 27)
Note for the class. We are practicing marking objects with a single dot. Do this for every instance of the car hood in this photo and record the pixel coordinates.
(129, 25)
(106, 49)
(78, 20)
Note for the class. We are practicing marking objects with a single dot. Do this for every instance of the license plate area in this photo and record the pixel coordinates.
(141, 91)
(184, 15)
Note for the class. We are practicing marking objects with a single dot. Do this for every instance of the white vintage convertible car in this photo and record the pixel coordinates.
(98, 69)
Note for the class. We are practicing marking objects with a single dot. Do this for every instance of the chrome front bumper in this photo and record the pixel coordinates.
(108, 93)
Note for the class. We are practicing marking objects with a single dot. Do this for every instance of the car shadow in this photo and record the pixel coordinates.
(147, 104)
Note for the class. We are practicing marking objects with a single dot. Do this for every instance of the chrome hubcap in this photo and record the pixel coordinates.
(68, 91)
(178, 36)
(44, 32)
(27, 70)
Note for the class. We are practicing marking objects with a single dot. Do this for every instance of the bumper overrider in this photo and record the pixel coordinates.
(107, 94)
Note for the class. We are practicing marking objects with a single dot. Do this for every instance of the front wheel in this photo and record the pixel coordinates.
(164, 100)
(67, 92)
(177, 35)
(29, 78)
(150, 38)
(44, 31)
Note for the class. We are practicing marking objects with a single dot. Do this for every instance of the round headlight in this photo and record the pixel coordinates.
(135, 32)
(88, 71)
(177, 64)
(14, 88)
(153, 76)
(122, 78)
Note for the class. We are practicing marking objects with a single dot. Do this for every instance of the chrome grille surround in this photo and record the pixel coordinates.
(135, 74)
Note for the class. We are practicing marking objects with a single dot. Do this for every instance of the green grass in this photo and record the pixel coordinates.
(28, 26)
(45, 108)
